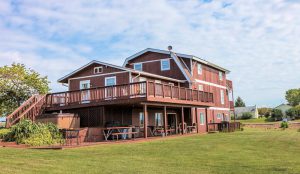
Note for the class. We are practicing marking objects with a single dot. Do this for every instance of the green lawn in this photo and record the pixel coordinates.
(257, 120)
(261, 120)
(251, 151)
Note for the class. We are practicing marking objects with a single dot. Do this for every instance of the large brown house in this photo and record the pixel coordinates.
(155, 91)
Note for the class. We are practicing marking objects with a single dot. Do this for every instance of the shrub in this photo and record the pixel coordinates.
(3, 133)
(246, 115)
(34, 134)
(276, 114)
(284, 125)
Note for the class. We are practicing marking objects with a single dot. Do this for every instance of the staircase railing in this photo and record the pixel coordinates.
(28, 110)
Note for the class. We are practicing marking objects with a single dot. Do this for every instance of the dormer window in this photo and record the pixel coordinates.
(165, 64)
(220, 75)
(138, 66)
(98, 70)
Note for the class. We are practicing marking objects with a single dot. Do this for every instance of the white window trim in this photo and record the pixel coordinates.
(199, 65)
(203, 118)
(113, 77)
(219, 116)
(98, 67)
(135, 64)
(220, 75)
(202, 87)
(161, 64)
(83, 82)
(141, 125)
(222, 96)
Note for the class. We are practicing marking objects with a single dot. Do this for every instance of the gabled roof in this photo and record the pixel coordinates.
(239, 110)
(178, 54)
(118, 67)
(90, 63)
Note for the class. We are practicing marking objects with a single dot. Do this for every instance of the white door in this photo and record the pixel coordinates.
(142, 89)
(110, 92)
(85, 94)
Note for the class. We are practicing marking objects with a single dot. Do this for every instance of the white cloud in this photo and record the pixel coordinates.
(257, 40)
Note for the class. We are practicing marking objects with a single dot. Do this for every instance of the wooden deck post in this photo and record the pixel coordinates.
(145, 121)
(182, 120)
(197, 119)
(165, 120)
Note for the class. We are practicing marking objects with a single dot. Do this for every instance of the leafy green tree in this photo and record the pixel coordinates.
(239, 102)
(264, 112)
(293, 96)
(294, 112)
(17, 84)
(246, 115)
(276, 114)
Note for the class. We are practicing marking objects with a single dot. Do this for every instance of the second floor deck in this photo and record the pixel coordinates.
(129, 94)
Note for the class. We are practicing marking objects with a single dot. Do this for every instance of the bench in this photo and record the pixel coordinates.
(123, 133)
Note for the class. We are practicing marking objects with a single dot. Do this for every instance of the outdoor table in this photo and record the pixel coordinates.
(71, 133)
(111, 129)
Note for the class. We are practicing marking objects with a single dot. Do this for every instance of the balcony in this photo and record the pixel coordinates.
(128, 94)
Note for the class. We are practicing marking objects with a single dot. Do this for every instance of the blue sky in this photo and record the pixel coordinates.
(257, 40)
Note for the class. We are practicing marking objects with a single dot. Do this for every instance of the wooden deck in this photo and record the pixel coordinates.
(127, 94)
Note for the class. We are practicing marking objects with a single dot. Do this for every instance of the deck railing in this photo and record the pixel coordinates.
(127, 91)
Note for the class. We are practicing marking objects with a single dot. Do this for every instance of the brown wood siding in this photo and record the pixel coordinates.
(209, 74)
(90, 70)
(202, 128)
(98, 81)
(154, 67)
(216, 93)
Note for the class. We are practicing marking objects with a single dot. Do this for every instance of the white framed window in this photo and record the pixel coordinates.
(158, 119)
(141, 117)
(220, 75)
(138, 66)
(201, 118)
(200, 87)
(219, 116)
(165, 64)
(199, 68)
(110, 81)
(222, 96)
(98, 70)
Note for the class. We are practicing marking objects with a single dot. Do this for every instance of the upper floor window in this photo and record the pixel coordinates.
(98, 70)
(199, 68)
(222, 97)
(138, 66)
(165, 64)
(220, 75)
(200, 87)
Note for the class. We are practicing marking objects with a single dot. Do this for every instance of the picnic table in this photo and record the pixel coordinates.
(116, 131)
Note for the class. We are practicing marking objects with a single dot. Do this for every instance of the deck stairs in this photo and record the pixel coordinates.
(30, 109)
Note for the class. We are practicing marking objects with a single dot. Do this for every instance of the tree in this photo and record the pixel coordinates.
(294, 112)
(276, 114)
(264, 112)
(17, 84)
(239, 102)
(246, 115)
(293, 96)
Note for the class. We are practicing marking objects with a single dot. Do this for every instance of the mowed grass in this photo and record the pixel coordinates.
(250, 151)
(257, 120)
